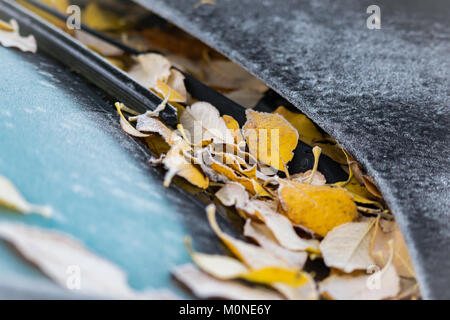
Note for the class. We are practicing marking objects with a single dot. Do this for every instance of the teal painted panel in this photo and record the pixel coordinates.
(61, 145)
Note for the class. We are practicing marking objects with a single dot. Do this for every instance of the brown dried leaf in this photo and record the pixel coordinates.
(380, 251)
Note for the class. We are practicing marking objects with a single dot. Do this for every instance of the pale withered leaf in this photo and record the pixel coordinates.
(11, 198)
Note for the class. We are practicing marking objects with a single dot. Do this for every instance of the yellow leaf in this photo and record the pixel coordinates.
(176, 82)
(157, 145)
(126, 126)
(250, 184)
(59, 5)
(359, 192)
(317, 208)
(164, 89)
(176, 164)
(270, 138)
(5, 26)
(116, 62)
(233, 125)
(309, 134)
(226, 268)
(11, 198)
(278, 224)
(97, 18)
(237, 163)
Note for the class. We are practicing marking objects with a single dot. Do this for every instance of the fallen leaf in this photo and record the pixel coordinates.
(308, 291)
(116, 62)
(58, 256)
(235, 130)
(157, 145)
(409, 289)
(150, 67)
(126, 126)
(204, 123)
(371, 186)
(233, 194)
(366, 181)
(151, 124)
(347, 247)
(380, 251)
(176, 164)
(226, 74)
(311, 135)
(11, 198)
(280, 227)
(250, 184)
(253, 256)
(5, 26)
(317, 208)
(359, 192)
(97, 44)
(168, 93)
(58, 5)
(349, 287)
(176, 82)
(270, 138)
(283, 231)
(235, 160)
(381, 284)
(245, 97)
(318, 178)
(402, 260)
(313, 176)
(227, 268)
(12, 38)
(264, 237)
(205, 286)
(97, 18)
